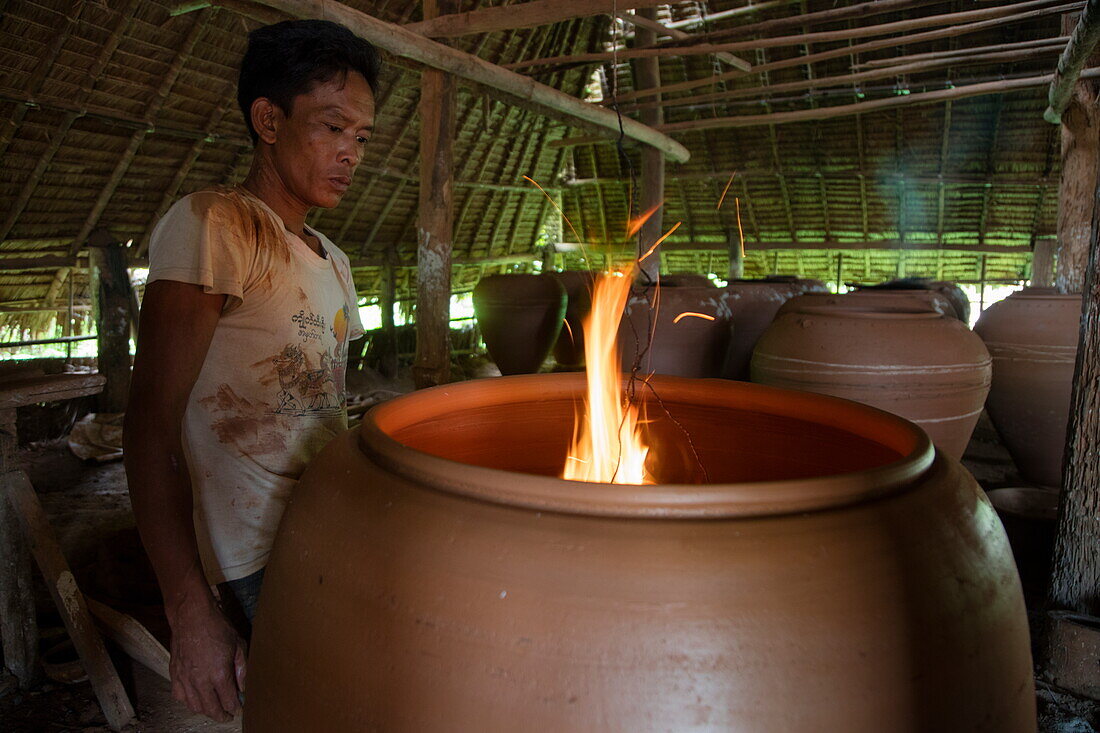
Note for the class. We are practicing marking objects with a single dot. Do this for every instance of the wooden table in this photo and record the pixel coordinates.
(25, 531)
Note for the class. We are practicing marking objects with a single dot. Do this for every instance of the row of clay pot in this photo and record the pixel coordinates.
(896, 352)
(685, 327)
(833, 575)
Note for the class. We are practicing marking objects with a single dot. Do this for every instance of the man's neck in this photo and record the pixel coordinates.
(265, 185)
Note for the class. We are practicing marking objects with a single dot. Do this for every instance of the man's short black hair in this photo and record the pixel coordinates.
(289, 58)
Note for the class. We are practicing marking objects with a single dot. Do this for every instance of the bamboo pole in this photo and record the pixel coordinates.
(550, 102)
(640, 21)
(898, 41)
(647, 75)
(519, 15)
(880, 29)
(857, 11)
(845, 79)
(844, 110)
(956, 52)
(1081, 45)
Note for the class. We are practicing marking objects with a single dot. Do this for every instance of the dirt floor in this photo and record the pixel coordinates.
(90, 511)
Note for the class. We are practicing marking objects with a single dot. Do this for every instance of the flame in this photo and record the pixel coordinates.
(607, 443)
(635, 225)
(725, 190)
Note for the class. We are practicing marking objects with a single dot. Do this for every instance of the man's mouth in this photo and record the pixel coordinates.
(341, 182)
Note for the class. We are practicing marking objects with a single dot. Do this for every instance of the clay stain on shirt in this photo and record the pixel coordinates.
(248, 427)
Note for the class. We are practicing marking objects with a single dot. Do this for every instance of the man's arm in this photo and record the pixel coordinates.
(177, 325)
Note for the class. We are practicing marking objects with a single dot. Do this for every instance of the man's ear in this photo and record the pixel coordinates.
(265, 119)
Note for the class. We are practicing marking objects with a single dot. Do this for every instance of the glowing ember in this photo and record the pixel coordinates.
(691, 314)
(607, 443)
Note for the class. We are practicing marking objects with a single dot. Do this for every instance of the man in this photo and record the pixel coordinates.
(239, 376)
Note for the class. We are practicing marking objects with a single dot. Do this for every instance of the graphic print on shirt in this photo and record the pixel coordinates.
(310, 377)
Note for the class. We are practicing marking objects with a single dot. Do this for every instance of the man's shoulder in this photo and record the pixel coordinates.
(208, 202)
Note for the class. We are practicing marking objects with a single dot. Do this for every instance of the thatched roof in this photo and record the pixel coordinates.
(112, 109)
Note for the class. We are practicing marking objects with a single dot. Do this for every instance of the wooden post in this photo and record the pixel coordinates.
(112, 296)
(435, 221)
(981, 288)
(647, 75)
(1080, 162)
(839, 271)
(387, 354)
(736, 255)
(1075, 581)
(1042, 264)
(18, 624)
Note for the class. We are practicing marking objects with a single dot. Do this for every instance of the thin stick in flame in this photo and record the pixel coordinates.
(691, 314)
(635, 225)
(607, 443)
(740, 232)
(658, 242)
(555, 205)
(724, 190)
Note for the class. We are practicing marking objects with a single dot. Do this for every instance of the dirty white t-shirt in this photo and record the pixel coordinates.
(270, 394)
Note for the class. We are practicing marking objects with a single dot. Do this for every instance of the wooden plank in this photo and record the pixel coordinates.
(517, 15)
(48, 388)
(18, 624)
(68, 599)
(131, 636)
(435, 220)
(516, 88)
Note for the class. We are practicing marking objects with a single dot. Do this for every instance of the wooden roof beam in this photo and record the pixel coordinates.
(549, 102)
(677, 35)
(519, 15)
(881, 29)
(1081, 45)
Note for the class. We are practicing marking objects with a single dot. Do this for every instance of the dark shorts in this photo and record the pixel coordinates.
(238, 601)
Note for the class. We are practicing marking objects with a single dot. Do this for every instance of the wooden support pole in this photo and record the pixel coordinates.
(736, 251)
(435, 220)
(18, 625)
(1042, 264)
(67, 597)
(1085, 35)
(112, 295)
(1075, 579)
(1080, 168)
(387, 353)
(647, 75)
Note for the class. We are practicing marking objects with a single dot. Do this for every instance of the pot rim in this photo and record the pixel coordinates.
(674, 501)
(893, 312)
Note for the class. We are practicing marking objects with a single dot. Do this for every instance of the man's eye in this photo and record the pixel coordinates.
(333, 128)
(362, 140)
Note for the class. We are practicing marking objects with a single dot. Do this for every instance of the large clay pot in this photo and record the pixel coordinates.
(951, 292)
(921, 365)
(686, 280)
(1029, 516)
(432, 574)
(663, 341)
(1032, 336)
(878, 300)
(753, 305)
(569, 347)
(520, 317)
(933, 299)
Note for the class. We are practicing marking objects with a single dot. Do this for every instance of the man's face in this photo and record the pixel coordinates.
(320, 143)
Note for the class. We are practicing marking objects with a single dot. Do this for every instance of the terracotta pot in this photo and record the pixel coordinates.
(877, 300)
(753, 305)
(686, 280)
(932, 299)
(1030, 518)
(956, 295)
(431, 574)
(569, 348)
(960, 302)
(923, 366)
(520, 317)
(1032, 336)
(687, 346)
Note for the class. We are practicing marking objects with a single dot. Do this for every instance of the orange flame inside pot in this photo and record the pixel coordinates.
(607, 440)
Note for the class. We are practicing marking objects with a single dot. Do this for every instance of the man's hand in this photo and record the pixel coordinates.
(208, 658)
